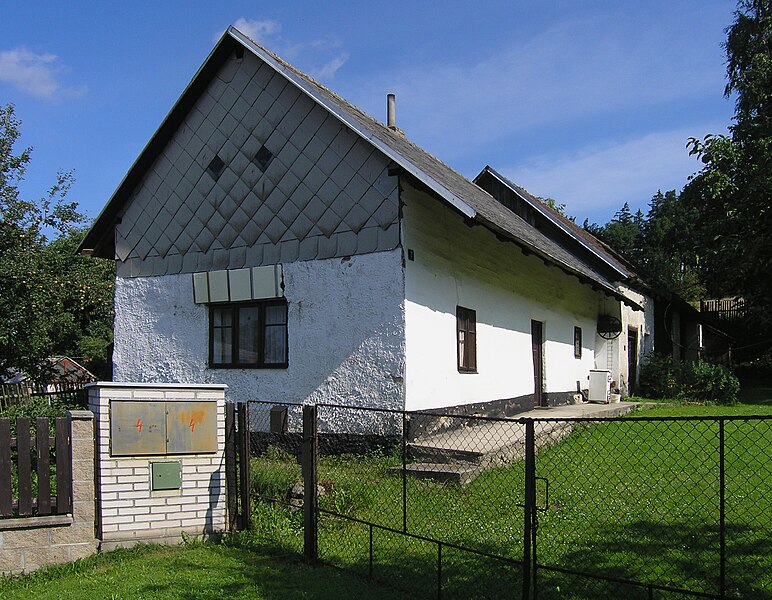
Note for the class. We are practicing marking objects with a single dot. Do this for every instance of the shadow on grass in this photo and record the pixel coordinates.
(759, 394)
(268, 572)
(677, 555)
(418, 569)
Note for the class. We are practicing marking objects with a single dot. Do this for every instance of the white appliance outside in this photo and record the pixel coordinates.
(600, 386)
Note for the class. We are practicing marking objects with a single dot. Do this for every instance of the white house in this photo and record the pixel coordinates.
(274, 238)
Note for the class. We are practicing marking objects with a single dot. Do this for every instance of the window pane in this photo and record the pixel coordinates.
(276, 315)
(248, 334)
(466, 326)
(222, 336)
(275, 344)
(221, 317)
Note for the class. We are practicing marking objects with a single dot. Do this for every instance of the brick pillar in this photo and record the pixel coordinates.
(79, 538)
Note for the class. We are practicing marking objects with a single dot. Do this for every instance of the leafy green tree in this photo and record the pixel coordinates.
(623, 233)
(732, 195)
(51, 300)
(659, 245)
(668, 254)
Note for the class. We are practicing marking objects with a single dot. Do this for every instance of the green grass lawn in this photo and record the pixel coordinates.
(631, 499)
(195, 572)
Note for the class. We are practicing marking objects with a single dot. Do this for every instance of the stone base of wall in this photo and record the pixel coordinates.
(452, 417)
(330, 444)
(43, 541)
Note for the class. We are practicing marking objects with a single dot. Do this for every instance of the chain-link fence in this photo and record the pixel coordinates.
(668, 503)
(462, 506)
(275, 443)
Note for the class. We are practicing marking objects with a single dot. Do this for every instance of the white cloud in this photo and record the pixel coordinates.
(33, 73)
(576, 69)
(258, 30)
(600, 179)
(331, 67)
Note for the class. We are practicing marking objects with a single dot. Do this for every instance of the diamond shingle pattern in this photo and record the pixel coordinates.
(321, 181)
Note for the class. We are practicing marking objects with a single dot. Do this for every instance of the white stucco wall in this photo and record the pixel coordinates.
(345, 326)
(643, 323)
(459, 265)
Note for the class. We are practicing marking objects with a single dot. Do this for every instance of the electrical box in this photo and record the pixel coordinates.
(137, 428)
(165, 475)
(162, 427)
(191, 427)
(600, 386)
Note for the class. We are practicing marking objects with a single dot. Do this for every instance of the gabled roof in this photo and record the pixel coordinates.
(464, 196)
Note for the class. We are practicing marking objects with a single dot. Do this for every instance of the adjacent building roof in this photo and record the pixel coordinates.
(566, 227)
(470, 200)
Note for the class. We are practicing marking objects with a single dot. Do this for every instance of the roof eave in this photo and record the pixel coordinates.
(102, 230)
(594, 283)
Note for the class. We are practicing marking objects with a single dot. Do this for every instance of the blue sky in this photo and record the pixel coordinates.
(589, 102)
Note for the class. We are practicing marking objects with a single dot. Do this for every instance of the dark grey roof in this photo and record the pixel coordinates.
(563, 224)
(457, 190)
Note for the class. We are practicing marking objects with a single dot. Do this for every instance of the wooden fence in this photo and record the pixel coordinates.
(26, 462)
(725, 309)
(14, 393)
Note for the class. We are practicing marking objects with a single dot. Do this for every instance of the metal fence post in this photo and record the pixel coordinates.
(231, 486)
(722, 511)
(404, 471)
(244, 464)
(308, 460)
(529, 508)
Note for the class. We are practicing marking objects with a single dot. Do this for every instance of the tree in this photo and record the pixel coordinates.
(732, 195)
(659, 245)
(668, 254)
(623, 233)
(51, 300)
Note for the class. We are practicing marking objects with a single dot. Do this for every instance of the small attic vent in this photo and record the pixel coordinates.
(263, 158)
(216, 167)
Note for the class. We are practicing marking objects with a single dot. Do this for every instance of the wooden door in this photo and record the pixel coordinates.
(537, 342)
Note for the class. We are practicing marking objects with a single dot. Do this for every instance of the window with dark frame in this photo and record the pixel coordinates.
(249, 334)
(466, 337)
(577, 342)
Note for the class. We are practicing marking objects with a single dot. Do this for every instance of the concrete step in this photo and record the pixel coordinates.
(443, 455)
(461, 454)
(458, 473)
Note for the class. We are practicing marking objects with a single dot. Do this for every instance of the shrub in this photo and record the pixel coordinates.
(758, 369)
(33, 407)
(705, 382)
(663, 377)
